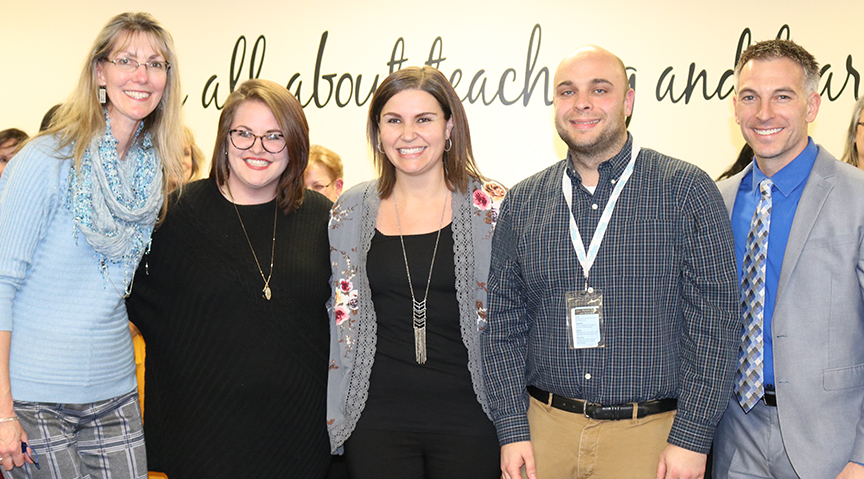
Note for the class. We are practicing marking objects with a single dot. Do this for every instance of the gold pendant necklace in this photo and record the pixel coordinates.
(419, 307)
(266, 291)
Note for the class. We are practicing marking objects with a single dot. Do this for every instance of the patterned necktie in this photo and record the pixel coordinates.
(749, 384)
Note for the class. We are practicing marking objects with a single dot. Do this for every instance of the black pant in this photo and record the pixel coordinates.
(378, 454)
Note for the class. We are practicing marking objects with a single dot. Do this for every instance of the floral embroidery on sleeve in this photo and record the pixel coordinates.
(345, 301)
(338, 214)
(487, 200)
(481, 316)
(482, 200)
(344, 294)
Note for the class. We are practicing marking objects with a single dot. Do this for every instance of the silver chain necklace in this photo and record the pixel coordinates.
(127, 290)
(419, 307)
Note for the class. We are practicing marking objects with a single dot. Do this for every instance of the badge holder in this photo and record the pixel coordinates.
(585, 319)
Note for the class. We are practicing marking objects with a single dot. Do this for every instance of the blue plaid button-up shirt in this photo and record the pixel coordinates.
(666, 269)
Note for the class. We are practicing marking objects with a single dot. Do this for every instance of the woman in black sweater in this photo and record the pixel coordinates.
(231, 302)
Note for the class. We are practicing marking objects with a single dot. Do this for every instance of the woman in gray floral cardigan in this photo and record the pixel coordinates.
(410, 255)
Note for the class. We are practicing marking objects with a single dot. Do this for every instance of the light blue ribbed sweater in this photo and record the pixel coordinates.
(70, 338)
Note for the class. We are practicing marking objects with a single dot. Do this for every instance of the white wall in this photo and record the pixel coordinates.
(44, 44)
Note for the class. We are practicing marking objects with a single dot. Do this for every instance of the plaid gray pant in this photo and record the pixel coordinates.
(101, 440)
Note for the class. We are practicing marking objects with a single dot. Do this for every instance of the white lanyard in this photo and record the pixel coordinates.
(587, 260)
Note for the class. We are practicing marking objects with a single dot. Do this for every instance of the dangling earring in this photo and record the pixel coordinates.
(449, 145)
(103, 96)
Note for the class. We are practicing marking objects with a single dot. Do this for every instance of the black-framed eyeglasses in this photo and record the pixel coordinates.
(129, 65)
(30, 452)
(245, 139)
(861, 123)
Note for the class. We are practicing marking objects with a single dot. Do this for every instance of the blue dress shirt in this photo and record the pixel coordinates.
(788, 185)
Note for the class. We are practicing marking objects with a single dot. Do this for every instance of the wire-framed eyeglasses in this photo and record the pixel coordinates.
(129, 65)
(319, 187)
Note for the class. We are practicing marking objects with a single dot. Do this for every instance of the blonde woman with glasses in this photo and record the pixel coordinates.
(77, 207)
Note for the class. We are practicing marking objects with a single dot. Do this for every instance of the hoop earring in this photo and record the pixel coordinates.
(103, 95)
(379, 146)
(449, 145)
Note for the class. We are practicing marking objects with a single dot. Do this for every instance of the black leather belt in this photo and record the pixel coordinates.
(770, 399)
(609, 413)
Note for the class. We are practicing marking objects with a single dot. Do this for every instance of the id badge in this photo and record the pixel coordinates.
(585, 319)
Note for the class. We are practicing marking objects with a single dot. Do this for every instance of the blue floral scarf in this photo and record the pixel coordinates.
(115, 203)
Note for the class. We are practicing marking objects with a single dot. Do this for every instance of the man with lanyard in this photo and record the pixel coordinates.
(625, 348)
(798, 218)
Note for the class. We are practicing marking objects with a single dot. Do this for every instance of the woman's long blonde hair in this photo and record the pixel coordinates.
(80, 119)
(850, 152)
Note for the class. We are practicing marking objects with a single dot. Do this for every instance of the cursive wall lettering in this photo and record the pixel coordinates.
(511, 86)
(209, 97)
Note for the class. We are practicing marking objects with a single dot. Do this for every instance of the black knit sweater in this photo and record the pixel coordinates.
(235, 384)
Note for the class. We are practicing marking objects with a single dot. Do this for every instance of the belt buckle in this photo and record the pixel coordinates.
(585, 409)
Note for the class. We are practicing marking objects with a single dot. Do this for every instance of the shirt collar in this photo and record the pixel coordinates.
(792, 175)
(613, 167)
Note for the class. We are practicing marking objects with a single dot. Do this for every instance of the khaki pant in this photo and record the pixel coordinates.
(570, 446)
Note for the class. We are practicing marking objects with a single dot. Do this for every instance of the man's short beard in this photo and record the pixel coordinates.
(602, 143)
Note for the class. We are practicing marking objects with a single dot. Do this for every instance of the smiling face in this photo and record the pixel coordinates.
(773, 109)
(254, 173)
(413, 133)
(592, 102)
(133, 95)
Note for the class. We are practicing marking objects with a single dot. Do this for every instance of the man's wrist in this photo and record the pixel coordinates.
(513, 430)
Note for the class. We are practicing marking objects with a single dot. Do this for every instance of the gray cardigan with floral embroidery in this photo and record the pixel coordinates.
(353, 327)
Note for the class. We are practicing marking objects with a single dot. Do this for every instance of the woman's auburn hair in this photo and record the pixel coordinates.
(293, 125)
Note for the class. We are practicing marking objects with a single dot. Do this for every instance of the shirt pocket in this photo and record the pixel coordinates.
(642, 249)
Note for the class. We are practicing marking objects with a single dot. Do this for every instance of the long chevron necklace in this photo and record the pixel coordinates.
(419, 307)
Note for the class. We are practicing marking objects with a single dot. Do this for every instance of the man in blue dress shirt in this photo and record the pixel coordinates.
(799, 389)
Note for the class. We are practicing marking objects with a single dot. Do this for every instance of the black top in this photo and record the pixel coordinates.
(235, 384)
(437, 396)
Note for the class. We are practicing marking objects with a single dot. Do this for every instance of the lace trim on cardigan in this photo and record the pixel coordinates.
(473, 223)
(366, 336)
(463, 253)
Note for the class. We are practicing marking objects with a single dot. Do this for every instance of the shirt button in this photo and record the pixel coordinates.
(587, 375)
(613, 180)
(594, 206)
